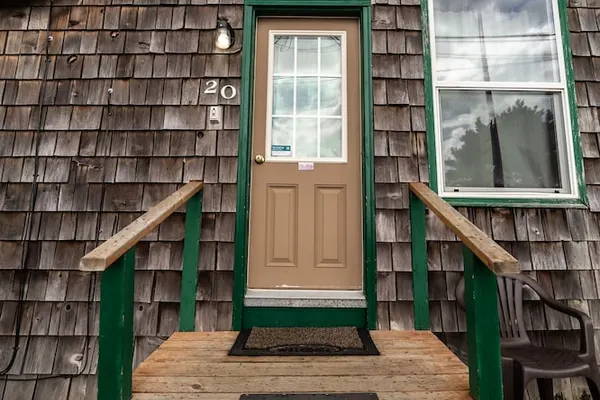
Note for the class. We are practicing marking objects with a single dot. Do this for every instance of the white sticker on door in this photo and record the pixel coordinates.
(281, 150)
(306, 166)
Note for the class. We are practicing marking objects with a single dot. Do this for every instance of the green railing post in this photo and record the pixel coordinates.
(115, 344)
(483, 330)
(419, 263)
(191, 253)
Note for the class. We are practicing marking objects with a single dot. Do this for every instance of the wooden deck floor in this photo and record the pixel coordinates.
(195, 366)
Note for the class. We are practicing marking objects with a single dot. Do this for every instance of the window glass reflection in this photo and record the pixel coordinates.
(331, 56)
(501, 139)
(308, 55)
(283, 54)
(283, 96)
(306, 137)
(495, 41)
(307, 98)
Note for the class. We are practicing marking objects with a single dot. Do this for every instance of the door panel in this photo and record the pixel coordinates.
(330, 227)
(306, 194)
(282, 226)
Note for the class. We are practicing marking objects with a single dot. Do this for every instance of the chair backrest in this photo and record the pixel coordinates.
(510, 309)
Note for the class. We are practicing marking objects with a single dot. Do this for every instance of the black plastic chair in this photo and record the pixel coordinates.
(523, 362)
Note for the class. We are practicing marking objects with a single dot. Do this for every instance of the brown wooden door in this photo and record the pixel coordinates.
(305, 207)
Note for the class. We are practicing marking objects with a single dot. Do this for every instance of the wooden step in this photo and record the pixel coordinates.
(195, 366)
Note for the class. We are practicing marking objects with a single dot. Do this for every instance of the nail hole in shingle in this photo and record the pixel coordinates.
(141, 308)
(200, 134)
(68, 307)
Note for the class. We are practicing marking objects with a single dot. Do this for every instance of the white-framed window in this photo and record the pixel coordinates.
(307, 104)
(501, 100)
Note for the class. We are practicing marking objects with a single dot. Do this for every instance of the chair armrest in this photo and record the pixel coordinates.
(586, 326)
(585, 322)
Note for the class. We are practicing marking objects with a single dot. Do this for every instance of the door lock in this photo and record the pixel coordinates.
(259, 159)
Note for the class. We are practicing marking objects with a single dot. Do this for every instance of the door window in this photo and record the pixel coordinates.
(307, 97)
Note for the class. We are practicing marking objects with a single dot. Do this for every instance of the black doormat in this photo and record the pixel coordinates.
(345, 341)
(307, 396)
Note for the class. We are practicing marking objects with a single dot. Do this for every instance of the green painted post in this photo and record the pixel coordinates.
(429, 109)
(115, 344)
(242, 218)
(483, 329)
(370, 249)
(191, 253)
(418, 244)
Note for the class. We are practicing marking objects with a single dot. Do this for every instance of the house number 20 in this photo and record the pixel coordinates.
(228, 92)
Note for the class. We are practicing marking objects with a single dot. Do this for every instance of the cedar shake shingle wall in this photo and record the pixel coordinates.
(104, 158)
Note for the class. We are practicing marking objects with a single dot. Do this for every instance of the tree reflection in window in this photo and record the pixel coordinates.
(527, 138)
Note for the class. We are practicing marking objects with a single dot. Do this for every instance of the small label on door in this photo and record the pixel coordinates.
(281, 150)
(306, 166)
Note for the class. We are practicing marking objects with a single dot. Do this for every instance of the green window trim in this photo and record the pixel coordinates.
(252, 9)
(579, 201)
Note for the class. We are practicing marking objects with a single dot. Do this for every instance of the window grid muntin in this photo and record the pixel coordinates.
(343, 112)
(566, 151)
(319, 96)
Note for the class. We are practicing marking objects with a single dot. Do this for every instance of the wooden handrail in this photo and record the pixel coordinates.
(487, 250)
(108, 252)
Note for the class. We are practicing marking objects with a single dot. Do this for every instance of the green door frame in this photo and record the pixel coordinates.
(246, 316)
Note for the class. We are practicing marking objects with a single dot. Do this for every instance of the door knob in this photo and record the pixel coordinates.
(259, 159)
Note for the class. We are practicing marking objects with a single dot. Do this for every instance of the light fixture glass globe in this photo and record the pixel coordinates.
(223, 41)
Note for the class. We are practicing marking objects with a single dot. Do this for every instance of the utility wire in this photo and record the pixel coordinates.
(26, 237)
(513, 36)
(92, 286)
(27, 227)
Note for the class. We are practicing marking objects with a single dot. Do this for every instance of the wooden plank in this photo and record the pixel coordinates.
(489, 252)
(378, 336)
(181, 384)
(213, 345)
(429, 395)
(374, 366)
(398, 355)
(108, 252)
(381, 340)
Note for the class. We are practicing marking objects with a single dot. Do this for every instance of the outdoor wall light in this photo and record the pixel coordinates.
(225, 35)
